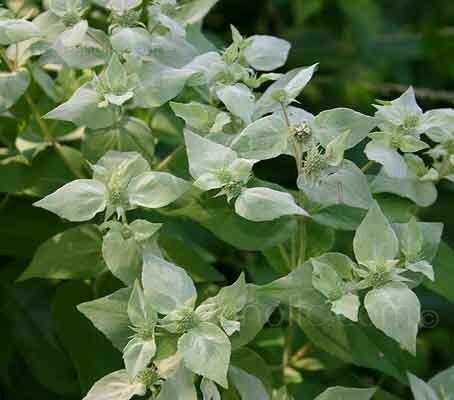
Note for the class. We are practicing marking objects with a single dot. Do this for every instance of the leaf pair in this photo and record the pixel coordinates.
(121, 182)
(215, 166)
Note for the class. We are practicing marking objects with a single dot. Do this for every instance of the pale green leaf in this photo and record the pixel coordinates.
(156, 189)
(264, 204)
(17, 30)
(292, 83)
(239, 100)
(348, 306)
(266, 53)
(206, 156)
(263, 139)
(137, 355)
(179, 386)
(393, 163)
(79, 200)
(330, 124)
(157, 84)
(420, 389)
(395, 310)
(12, 86)
(209, 390)
(374, 239)
(165, 285)
(443, 383)
(206, 351)
(82, 109)
(116, 386)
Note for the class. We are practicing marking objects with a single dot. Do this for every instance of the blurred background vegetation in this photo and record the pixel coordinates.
(367, 49)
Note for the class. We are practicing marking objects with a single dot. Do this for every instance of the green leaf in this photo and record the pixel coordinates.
(343, 393)
(206, 351)
(249, 387)
(12, 86)
(130, 134)
(82, 109)
(73, 254)
(375, 225)
(45, 82)
(329, 124)
(264, 204)
(156, 189)
(420, 389)
(179, 386)
(395, 310)
(117, 385)
(443, 268)
(166, 286)
(157, 84)
(263, 139)
(266, 53)
(87, 341)
(109, 314)
(215, 215)
(79, 200)
(181, 251)
(27, 307)
(239, 100)
(17, 30)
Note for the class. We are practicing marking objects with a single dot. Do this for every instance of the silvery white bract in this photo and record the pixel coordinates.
(121, 182)
(13, 31)
(284, 91)
(141, 347)
(124, 244)
(156, 84)
(401, 123)
(214, 166)
(441, 386)
(266, 53)
(117, 385)
(178, 386)
(203, 346)
(94, 105)
(391, 305)
(385, 266)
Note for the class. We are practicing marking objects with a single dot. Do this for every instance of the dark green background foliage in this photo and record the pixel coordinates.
(367, 49)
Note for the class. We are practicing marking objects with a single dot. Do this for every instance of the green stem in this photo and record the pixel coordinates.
(47, 134)
(166, 161)
(368, 165)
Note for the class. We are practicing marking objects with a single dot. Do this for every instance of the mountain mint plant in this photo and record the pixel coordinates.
(143, 191)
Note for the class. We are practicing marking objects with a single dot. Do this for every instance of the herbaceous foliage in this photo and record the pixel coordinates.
(177, 340)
